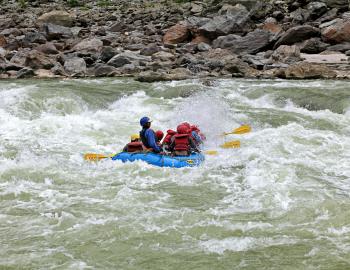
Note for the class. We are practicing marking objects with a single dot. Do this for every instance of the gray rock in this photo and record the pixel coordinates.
(107, 53)
(341, 4)
(11, 31)
(151, 49)
(75, 65)
(47, 48)
(297, 34)
(316, 9)
(57, 17)
(127, 58)
(54, 31)
(163, 56)
(224, 25)
(120, 27)
(25, 73)
(58, 69)
(313, 45)
(90, 45)
(286, 54)
(38, 60)
(343, 47)
(104, 70)
(252, 43)
(19, 57)
(300, 15)
(34, 37)
(203, 47)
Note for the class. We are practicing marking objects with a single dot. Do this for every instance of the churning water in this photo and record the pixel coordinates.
(281, 201)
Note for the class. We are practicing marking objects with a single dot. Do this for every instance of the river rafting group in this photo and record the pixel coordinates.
(177, 149)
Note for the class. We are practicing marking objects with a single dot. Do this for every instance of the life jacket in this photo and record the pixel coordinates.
(134, 147)
(182, 142)
(168, 136)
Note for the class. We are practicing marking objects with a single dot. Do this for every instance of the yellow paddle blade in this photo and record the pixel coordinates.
(211, 152)
(96, 157)
(241, 130)
(232, 144)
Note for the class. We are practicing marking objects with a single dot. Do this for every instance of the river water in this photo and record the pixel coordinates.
(280, 201)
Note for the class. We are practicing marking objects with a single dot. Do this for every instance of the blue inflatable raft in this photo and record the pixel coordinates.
(194, 159)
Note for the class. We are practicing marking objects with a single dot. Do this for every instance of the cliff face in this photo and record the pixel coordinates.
(163, 40)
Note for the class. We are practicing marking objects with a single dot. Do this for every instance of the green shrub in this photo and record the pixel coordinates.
(22, 3)
(104, 3)
(73, 3)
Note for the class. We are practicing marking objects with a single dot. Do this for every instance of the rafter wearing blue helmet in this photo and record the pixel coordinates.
(147, 135)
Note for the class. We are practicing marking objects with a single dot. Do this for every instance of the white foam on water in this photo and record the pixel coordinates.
(255, 189)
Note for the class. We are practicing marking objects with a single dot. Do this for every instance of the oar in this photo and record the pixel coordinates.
(96, 157)
(241, 130)
(226, 145)
(231, 144)
(211, 152)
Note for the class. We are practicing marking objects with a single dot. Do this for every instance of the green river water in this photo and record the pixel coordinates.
(280, 201)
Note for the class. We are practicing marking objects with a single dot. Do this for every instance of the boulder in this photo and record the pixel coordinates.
(47, 48)
(151, 76)
(25, 73)
(53, 31)
(75, 65)
(252, 43)
(203, 47)
(226, 24)
(58, 69)
(341, 4)
(337, 32)
(272, 27)
(33, 37)
(176, 34)
(11, 31)
(149, 50)
(90, 45)
(19, 58)
(37, 60)
(58, 17)
(107, 53)
(313, 45)
(286, 54)
(300, 16)
(125, 58)
(316, 9)
(306, 70)
(174, 74)
(3, 41)
(163, 56)
(44, 73)
(343, 47)
(104, 70)
(297, 34)
(328, 16)
(120, 27)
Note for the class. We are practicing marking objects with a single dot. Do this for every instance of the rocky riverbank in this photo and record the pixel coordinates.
(169, 40)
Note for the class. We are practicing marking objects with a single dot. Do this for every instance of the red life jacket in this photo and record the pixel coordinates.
(169, 135)
(182, 142)
(135, 147)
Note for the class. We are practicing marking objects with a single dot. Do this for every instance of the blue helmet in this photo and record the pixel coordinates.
(144, 121)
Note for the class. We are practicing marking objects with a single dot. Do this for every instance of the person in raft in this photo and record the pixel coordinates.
(148, 136)
(134, 145)
(159, 137)
(167, 139)
(182, 144)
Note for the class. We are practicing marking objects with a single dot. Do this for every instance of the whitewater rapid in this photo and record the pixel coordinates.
(280, 201)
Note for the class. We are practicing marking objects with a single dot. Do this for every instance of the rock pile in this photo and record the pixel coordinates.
(166, 40)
